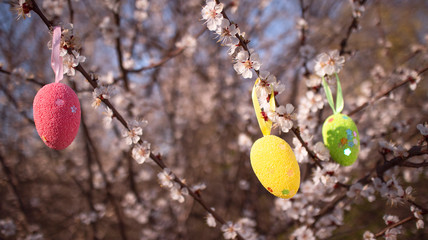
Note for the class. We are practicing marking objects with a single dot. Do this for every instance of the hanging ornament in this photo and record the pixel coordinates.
(56, 107)
(272, 159)
(340, 134)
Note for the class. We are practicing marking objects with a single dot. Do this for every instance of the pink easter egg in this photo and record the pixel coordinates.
(56, 111)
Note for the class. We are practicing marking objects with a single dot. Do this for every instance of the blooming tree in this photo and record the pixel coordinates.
(167, 121)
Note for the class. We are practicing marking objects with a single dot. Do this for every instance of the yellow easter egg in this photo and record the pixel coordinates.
(275, 165)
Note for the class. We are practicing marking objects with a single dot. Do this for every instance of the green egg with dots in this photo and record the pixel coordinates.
(341, 137)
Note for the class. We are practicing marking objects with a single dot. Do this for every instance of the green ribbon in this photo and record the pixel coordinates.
(339, 97)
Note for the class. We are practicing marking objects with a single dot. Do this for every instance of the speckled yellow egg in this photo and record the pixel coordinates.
(340, 135)
(275, 165)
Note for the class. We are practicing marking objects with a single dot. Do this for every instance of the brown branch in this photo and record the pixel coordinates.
(15, 104)
(386, 93)
(155, 158)
(414, 151)
(110, 195)
(119, 52)
(414, 165)
(328, 208)
(33, 80)
(407, 219)
(70, 11)
(353, 26)
(312, 154)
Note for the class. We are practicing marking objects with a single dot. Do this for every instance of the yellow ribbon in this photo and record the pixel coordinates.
(265, 126)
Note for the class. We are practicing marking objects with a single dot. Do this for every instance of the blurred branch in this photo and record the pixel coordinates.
(33, 80)
(70, 11)
(110, 195)
(88, 196)
(405, 220)
(119, 51)
(414, 165)
(353, 26)
(18, 197)
(169, 56)
(15, 104)
(328, 208)
(386, 93)
(414, 151)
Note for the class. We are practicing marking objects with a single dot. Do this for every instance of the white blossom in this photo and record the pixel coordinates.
(301, 24)
(314, 101)
(423, 129)
(198, 187)
(327, 176)
(285, 117)
(166, 178)
(400, 151)
(211, 222)
(303, 233)
(391, 234)
(70, 61)
(141, 10)
(34, 236)
(141, 152)
(227, 33)
(230, 230)
(135, 131)
(264, 87)
(53, 7)
(329, 63)
(245, 63)
(177, 193)
(7, 227)
(244, 142)
(88, 217)
(321, 151)
(420, 224)
(411, 76)
(368, 236)
(188, 43)
(211, 13)
(108, 117)
(300, 151)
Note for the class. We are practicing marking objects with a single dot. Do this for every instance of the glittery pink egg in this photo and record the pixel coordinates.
(56, 115)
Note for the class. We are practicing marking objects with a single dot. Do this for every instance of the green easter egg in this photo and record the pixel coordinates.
(340, 135)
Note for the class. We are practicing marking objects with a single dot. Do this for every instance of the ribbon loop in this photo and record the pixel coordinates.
(328, 95)
(339, 97)
(265, 124)
(56, 59)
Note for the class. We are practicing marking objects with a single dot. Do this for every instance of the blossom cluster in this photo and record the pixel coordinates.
(244, 226)
(177, 192)
(141, 149)
(70, 48)
(245, 61)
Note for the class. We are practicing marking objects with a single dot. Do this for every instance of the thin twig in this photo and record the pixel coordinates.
(386, 93)
(353, 26)
(119, 52)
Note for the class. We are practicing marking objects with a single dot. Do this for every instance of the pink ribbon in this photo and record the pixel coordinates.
(56, 59)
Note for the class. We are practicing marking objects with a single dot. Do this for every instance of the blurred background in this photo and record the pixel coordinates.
(167, 68)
